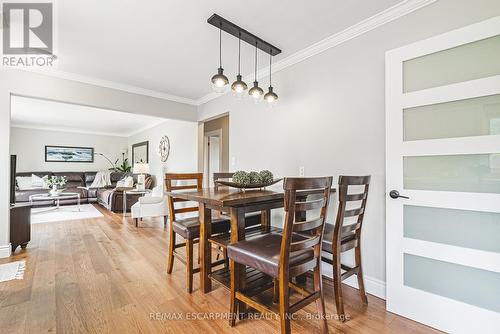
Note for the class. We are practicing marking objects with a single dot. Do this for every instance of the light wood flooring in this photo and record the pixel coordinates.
(105, 275)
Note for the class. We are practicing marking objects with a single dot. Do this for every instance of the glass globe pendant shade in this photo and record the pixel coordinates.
(219, 81)
(270, 96)
(256, 92)
(239, 86)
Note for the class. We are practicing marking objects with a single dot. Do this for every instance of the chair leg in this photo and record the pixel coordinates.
(361, 283)
(136, 222)
(165, 220)
(189, 265)
(226, 259)
(337, 287)
(199, 252)
(320, 302)
(171, 248)
(276, 290)
(284, 298)
(233, 306)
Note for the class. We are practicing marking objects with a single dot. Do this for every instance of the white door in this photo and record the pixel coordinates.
(443, 152)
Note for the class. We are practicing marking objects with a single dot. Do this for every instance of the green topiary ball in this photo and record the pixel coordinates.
(241, 177)
(266, 176)
(254, 177)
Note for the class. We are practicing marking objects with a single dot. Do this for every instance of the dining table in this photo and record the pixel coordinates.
(236, 203)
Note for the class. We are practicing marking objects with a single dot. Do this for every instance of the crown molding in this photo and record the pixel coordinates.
(68, 130)
(390, 14)
(147, 127)
(110, 84)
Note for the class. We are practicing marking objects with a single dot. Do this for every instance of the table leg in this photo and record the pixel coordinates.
(205, 215)
(237, 234)
(78, 196)
(124, 209)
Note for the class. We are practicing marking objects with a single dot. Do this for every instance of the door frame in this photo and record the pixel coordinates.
(206, 153)
(412, 303)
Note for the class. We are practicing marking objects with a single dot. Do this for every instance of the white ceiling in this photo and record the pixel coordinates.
(50, 115)
(167, 46)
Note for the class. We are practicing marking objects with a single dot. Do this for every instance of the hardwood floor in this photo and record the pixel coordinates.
(105, 275)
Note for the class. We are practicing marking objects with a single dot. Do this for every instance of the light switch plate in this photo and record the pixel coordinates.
(302, 171)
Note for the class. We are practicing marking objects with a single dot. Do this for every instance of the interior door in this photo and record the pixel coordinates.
(443, 180)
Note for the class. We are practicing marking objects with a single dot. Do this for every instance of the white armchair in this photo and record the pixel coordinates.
(153, 205)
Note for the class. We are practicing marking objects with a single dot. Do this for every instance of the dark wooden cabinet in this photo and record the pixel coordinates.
(20, 225)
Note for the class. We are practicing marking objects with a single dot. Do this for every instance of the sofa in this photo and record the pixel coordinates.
(110, 197)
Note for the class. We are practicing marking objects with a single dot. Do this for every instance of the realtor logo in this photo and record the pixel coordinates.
(28, 29)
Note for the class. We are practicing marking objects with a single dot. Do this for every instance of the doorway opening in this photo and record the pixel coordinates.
(215, 155)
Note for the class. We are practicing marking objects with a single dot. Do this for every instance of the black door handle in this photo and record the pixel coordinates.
(395, 194)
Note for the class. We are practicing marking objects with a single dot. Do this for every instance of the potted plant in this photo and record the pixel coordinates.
(124, 167)
(56, 183)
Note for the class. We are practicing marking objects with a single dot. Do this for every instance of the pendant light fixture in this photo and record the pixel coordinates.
(256, 92)
(239, 86)
(270, 96)
(219, 81)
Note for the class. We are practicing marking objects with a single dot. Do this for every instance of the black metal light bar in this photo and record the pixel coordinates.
(250, 38)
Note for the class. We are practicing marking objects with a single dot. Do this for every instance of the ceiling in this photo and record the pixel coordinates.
(50, 115)
(167, 46)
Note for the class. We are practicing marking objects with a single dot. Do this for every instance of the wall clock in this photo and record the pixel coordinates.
(164, 148)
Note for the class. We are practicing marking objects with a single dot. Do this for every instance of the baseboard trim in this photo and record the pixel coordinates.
(373, 286)
(5, 251)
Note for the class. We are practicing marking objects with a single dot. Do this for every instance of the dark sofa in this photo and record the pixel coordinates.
(110, 197)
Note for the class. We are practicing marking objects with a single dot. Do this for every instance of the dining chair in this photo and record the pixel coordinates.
(344, 236)
(282, 256)
(187, 227)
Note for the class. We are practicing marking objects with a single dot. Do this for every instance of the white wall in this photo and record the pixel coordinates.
(29, 146)
(330, 115)
(183, 138)
(41, 86)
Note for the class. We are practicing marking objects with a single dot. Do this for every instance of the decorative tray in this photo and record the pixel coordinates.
(248, 186)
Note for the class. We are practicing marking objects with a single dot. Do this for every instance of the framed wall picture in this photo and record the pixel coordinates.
(68, 154)
(140, 152)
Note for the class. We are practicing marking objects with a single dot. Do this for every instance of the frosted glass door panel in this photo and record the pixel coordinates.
(470, 229)
(464, 118)
(469, 285)
(466, 62)
(465, 173)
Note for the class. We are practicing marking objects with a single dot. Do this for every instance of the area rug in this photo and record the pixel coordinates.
(65, 213)
(12, 270)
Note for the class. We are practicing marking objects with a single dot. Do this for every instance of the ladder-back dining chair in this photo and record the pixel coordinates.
(344, 236)
(282, 256)
(187, 227)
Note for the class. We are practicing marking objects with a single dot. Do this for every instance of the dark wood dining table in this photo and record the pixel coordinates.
(237, 203)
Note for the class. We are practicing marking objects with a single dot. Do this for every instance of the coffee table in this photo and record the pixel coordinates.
(55, 198)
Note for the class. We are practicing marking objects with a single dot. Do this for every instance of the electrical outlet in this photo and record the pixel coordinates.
(302, 171)
(233, 161)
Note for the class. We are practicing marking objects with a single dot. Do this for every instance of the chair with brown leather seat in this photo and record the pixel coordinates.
(283, 256)
(188, 227)
(344, 236)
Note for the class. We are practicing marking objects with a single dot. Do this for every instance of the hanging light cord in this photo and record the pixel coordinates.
(255, 62)
(220, 46)
(270, 59)
(239, 52)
